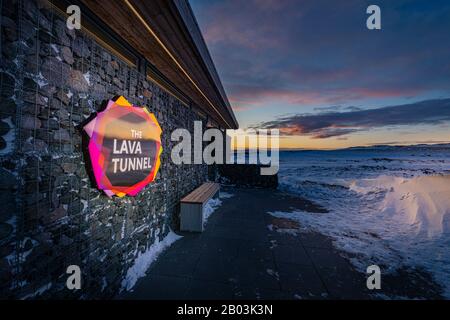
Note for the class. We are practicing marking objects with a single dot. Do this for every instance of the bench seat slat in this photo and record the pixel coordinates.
(202, 193)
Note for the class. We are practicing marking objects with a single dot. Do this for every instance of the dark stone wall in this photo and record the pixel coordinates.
(52, 216)
(246, 175)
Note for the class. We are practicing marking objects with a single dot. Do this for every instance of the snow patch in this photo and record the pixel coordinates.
(40, 80)
(38, 292)
(423, 202)
(87, 77)
(273, 273)
(9, 137)
(54, 47)
(85, 205)
(104, 284)
(144, 260)
(225, 195)
(273, 244)
(210, 206)
(122, 231)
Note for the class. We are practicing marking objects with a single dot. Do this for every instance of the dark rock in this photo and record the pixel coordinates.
(30, 84)
(71, 33)
(9, 50)
(51, 124)
(62, 135)
(55, 215)
(78, 81)
(45, 50)
(62, 114)
(10, 29)
(7, 106)
(5, 274)
(8, 180)
(80, 48)
(63, 97)
(106, 56)
(7, 23)
(31, 10)
(46, 36)
(69, 167)
(31, 64)
(56, 104)
(67, 55)
(28, 245)
(34, 99)
(4, 128)
(6, 250)
(60, 31)
(40, 145)
(76, 118)
(99, 91)
(44, 23)
(47, 90)
(75, 207)
(55, 71)
(117, 82)
(3, 143)
(29, 32)
(36, 145)
(30, 122)
(67, 148)
(146, 93)
(65, 241)
(7, 91)
(115, 64)
(7, 80)
(5, 230)
(109, 70)
(8, 206)
(43, 237)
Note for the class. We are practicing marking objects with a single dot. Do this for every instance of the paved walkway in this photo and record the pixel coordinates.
(238, 257)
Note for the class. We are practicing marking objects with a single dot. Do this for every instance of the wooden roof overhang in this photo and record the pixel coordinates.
(166, 33)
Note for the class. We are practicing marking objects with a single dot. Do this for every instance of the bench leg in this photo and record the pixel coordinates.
(191, 217)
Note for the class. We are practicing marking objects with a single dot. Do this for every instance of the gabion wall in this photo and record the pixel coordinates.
(52, 216)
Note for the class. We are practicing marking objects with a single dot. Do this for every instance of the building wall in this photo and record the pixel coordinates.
(52, 215)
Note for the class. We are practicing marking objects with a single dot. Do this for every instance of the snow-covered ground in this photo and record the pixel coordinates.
(389, 206)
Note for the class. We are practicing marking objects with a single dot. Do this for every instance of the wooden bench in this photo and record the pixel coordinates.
(191, 211)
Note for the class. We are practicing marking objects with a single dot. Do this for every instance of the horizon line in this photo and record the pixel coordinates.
(387, 144)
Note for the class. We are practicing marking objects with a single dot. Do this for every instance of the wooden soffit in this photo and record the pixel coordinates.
(165, 32)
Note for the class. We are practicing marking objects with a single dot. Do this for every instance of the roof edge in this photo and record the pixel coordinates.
(187, 16)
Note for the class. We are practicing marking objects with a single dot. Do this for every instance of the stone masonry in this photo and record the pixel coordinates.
(51, 80)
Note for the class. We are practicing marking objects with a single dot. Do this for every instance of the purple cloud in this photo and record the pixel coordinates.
(320, 52)
(332, 124)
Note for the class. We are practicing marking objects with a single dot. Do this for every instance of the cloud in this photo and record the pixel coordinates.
(320, 52)
(333, 124)
(337, 108)
(249, 97)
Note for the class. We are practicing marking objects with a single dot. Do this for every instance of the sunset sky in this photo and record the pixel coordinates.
(313, 69)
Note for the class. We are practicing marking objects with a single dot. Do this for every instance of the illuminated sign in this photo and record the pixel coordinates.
(124, 147)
